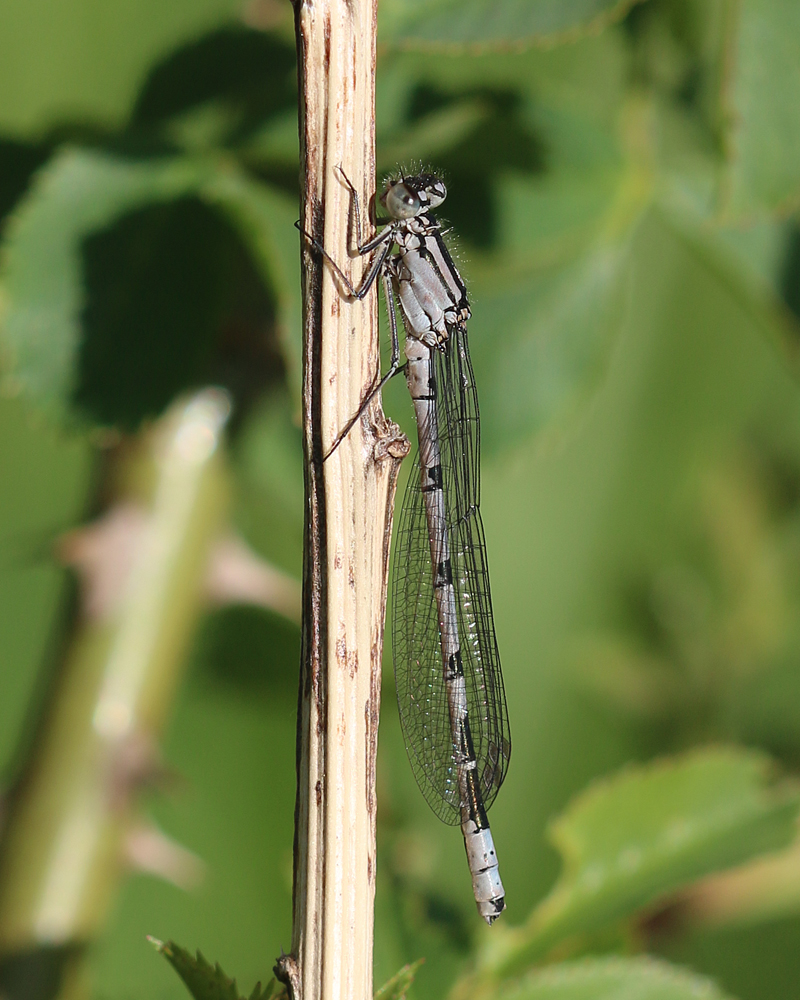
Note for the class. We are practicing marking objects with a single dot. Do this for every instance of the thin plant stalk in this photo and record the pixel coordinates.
(349, 503)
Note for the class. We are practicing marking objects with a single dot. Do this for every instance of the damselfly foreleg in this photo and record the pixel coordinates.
(380, 266)
(394, 367)
(374, 269)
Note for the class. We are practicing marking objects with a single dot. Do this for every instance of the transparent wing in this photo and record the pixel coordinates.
(419, 671)
(418, 668)
(459, 423)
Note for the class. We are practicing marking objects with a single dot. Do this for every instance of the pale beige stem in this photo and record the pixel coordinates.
(349, 500)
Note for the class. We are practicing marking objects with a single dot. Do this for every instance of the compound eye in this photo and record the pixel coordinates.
(401, 203)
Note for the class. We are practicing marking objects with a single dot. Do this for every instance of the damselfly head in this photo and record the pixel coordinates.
(406, 197)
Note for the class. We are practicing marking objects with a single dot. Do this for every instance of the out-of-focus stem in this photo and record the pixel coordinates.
(237, 575)
(349, 499)
(63, 847)
(767, 888)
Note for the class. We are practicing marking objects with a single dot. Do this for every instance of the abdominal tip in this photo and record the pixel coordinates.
(493, 909)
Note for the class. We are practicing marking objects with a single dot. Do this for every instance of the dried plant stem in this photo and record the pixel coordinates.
(349, 499)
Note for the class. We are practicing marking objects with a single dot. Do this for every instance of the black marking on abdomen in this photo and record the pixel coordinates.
(475, 807)
(434, 479)
(444, 574)
(455, 666)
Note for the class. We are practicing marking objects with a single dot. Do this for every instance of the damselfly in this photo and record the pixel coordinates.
(447, 666)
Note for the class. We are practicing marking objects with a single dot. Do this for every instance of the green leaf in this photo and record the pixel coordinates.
(763, 113)
(400, 983)
(614, 979)
(207, 982)
(588, 78)
(265, 219)
(87, 61)
(541, 347)
(76, 194)
(496, 22)
(546, 313)
(81, 192)
(648, 830)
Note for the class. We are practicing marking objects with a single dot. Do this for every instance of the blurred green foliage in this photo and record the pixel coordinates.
(623, 180)
(635, 979)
